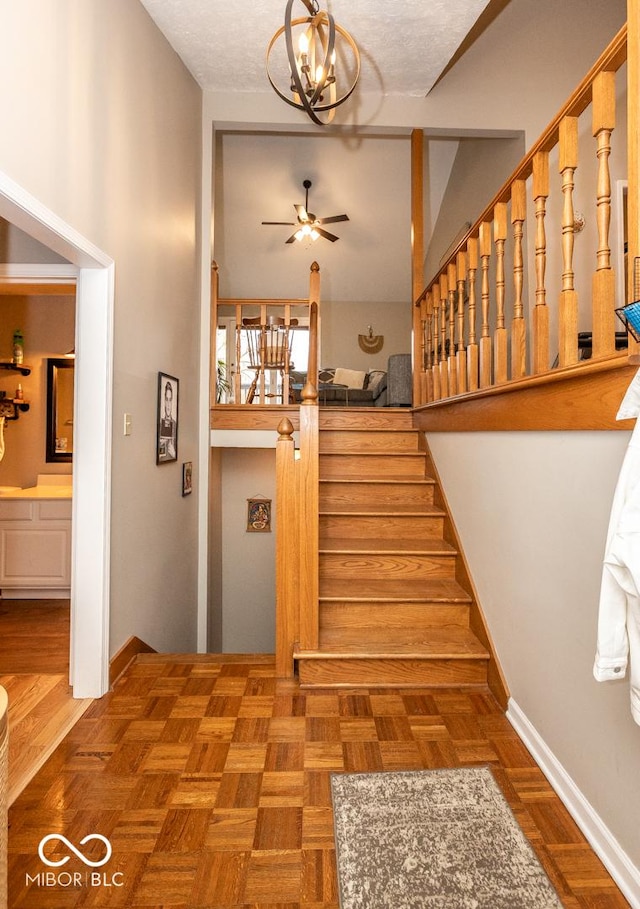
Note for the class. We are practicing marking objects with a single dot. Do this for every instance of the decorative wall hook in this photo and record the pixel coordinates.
(371, 343)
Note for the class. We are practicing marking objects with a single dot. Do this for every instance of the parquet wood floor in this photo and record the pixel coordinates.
(210, 779)
(34, 670)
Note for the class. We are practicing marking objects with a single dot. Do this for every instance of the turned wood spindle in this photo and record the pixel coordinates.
(568, 312)
(485, 334)
(500, 335)
(472, 349)
(451, 359)
(518, 325)
(541, 310)
(461, 352)
(604, 285)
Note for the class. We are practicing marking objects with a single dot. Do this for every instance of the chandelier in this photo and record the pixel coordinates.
(324, 63)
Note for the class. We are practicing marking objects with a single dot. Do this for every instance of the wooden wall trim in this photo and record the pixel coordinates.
(583, 397)
(128, 652)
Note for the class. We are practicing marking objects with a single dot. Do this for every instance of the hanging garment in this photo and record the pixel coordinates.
(618, 644)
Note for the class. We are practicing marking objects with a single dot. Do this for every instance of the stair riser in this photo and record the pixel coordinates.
(349, 418)
(378, 493)
(358, 466)
(381, 527)
(385, 567)
(380, 623)
(345, 440)
(402, 673)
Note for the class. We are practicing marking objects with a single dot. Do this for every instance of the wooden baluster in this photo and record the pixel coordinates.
(451, 360)
(444, 374)
(541, 310)
(237, 376)
(485, 334)
(604, 284)
(213, 349)
(500, 335)
(435, 369)
(426, 309)
(461, 352)
(315, 352)
(568, 325)
(518, 325)
(262, 385)
(472, 349)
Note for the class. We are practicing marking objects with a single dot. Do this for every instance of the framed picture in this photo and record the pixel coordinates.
(167, 437)
(259, 515)
(187, 482)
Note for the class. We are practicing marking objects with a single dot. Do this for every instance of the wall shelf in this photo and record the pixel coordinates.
(15, 367)
(10, 408)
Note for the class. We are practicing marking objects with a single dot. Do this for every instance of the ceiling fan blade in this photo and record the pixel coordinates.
(291, 238)
(327, 235)
(332, 219)
(289, 223)
(301, 212)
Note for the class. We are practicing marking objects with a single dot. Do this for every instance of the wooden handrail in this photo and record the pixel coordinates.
(451, 360)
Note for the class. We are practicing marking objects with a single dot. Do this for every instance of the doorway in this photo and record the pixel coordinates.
(90, 562)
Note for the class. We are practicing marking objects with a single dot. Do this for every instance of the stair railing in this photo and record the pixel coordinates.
(226, 382)
(474, 334)
(297, 507)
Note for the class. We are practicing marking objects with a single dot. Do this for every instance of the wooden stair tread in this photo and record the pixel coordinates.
(382, 591)
(449, 642)
(390, 509)
(428, 546)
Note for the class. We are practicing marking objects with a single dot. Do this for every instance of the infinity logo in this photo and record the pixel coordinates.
(83, 858)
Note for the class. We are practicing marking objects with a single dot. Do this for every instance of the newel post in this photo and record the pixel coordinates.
(287, 556)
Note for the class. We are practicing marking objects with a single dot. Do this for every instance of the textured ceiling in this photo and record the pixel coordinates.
(404, 44)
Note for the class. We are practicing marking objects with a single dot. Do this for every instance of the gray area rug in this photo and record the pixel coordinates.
(439, 839)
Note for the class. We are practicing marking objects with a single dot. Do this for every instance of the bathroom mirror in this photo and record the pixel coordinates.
(60, 380)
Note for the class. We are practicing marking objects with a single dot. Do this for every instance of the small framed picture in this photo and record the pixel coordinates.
(259, 515)
(187, 483)
(167, 437)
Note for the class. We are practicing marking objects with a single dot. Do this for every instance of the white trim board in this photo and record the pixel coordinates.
(625, 874)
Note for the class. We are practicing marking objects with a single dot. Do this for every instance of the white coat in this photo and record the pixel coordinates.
(619, 610)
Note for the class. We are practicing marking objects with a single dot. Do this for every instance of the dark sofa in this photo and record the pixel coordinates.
(375, 388)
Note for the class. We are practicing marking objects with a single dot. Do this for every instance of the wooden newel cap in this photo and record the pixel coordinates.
(285, 428)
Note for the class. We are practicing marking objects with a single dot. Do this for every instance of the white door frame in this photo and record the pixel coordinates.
(91, 514)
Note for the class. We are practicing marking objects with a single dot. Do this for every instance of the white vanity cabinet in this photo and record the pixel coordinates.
(35, 547)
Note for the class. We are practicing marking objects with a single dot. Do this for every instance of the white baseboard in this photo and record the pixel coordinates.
(604, 844)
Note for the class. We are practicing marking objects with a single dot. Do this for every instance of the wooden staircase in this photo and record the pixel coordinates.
(395, 602)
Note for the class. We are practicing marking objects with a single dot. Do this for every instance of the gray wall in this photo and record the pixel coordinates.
(532, 510)
(101, 124)
(248, 559)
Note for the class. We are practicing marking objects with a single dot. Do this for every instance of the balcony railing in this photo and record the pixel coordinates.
(256, 343)
(483, 324)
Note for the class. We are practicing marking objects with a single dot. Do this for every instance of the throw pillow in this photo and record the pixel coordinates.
(375, 380)
(352, 378)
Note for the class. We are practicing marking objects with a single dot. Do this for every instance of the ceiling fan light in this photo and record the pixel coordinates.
(314, 234)
(299, 234)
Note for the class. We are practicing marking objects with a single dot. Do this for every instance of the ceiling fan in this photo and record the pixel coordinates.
(307, 224)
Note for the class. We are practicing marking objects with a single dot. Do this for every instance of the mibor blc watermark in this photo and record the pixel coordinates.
(67, 878)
